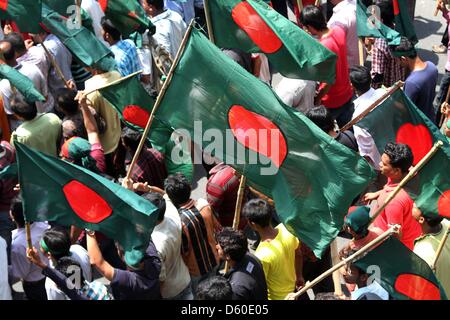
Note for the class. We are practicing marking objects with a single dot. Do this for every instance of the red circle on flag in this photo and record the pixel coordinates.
(4, 4)
(396, 7)
(136, 115)
(444, 204)
(86, 203)
(417, 287)
(103, 4)
(418, 138)
(249, 126)
(256, 28)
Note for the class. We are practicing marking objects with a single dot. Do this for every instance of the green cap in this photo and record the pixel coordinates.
(358, 220)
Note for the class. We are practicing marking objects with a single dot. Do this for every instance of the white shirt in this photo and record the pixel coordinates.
(92, 7)
(344, 15)
(185, 8)
(374, 288)
(36, 56)
(366, 144)
(170, 29)
(79, 254)
(5, 289)
(145, 55)
(21, 267)
(167, 239)
(33, 73)
(297, 93)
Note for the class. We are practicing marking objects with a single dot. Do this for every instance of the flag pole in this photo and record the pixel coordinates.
(353, 257)
(406, 179)
(317, 3)
(439, 250)
(300, 5)
(237, 211)
(113, 83)
(160, 97)
(55, 65)
(28, 235)
(79, 19)
(208, 21)
(336, 274)
(354, 121)
(361, 51)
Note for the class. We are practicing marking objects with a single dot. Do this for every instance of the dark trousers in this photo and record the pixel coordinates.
(445, 82)
(444, 40)
(35, 290)
(344, 113)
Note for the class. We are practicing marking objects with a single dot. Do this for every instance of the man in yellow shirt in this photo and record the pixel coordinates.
(279, 251)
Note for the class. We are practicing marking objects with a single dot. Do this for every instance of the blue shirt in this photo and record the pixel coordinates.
(420, 87)
(184, 7)
(126, 56)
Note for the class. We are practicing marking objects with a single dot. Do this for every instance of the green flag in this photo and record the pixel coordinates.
(24, 85)
(83, 44)
(403, 22)
(55, 190)
(311, 177)
(253, 26)
(368, 25)
(398, 120)
(9, 171)
(63, 7)
(127, 16)
(25, 13)
(401, 272)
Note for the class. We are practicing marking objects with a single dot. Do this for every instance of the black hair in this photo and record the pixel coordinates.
(400, 156)
(78, 129)
(233, 242)
(360, 78)
(72, 270)
(57, 240)
(321, 118)
(158, 4)
(65, 101)
(24, 109)
(131, 138)
(111, 29)
(405, 48)
(386, 12)
(17, 211)
(10, 53)
(16, 41)
(178, 189)
(258, 211)
(214, 288)
(311, 16)
(158, 201)
(433, 221)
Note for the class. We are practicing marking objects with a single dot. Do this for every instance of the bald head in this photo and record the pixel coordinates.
(8, 52)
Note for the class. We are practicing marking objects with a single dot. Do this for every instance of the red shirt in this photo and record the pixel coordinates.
(398, 211)
(341, 91)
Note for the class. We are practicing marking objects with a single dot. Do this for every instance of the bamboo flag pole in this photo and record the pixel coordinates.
(439, 250)
(336, 274)
(300, 5)
(361, 51)
(406, 179)
(367, 247)
(79, 19)
(317, 3)
(28, 235)
(55, 65)
(208, 21)
(397, 86)
(160, 97)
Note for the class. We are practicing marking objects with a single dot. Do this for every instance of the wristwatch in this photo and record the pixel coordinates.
(90, 232)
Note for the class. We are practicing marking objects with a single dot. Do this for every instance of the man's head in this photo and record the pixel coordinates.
(55, 243)
(396, 160)
(7, 49)
(158, 201)
(153, 7)
(73, 128)
(406, 51)
(23, 110)
(258, 213)
(65, 101)
(178, 189)
(321, 118)
(351, 273)
(130, 139)
(426, 221)
(17, 42)
(214, 288)
(231, 244)
(110, 33)
(16, 212)
(360, 79)
(313, 20)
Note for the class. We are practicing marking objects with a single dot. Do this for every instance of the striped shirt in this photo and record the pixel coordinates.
(385, 64)
(126, 56)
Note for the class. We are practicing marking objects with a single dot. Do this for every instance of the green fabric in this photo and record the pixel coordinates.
(44, 181)
(369, 26)
(300, 55)
(397, 119)
(359, 219)
(403, 22)
(9, 171)
(79, 151)
(319, 177)
(60, 6)
(185, 167)
(83, 44)
(395, 260)
(128, 16)
(24, 85)
(26, 14)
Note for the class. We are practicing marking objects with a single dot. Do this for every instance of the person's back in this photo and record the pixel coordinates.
(150, 167)
(297, 93)
(33, 73)
(63, 58)
(126, 56)
(170, 29)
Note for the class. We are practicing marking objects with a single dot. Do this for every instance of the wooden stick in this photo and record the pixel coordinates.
(160, 97)
(439, 250)
(317, 3)
(209, 25)
(300, 5)
(367, 247)
(113, 83)
(336, 274)
(406, 179)
(79, 19)
(397, 86)
(361, 51)
(55, 65)
(28, 234)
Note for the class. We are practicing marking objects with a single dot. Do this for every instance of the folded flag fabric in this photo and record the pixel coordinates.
(25, 13)
(24, 85)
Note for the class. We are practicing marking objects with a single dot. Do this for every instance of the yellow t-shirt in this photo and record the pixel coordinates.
(278, 260)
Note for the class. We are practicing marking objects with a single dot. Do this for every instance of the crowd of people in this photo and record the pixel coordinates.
(194, 253)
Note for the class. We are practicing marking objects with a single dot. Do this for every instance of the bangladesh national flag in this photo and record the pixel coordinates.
(253, 26)
(127, 15)
(81, 42)
(403, 21)
(63, 7)
(17, 80)
(398, 120)
(55, 190)
(401, 272)
(311, 177)
(25, 13)
(368, 25)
